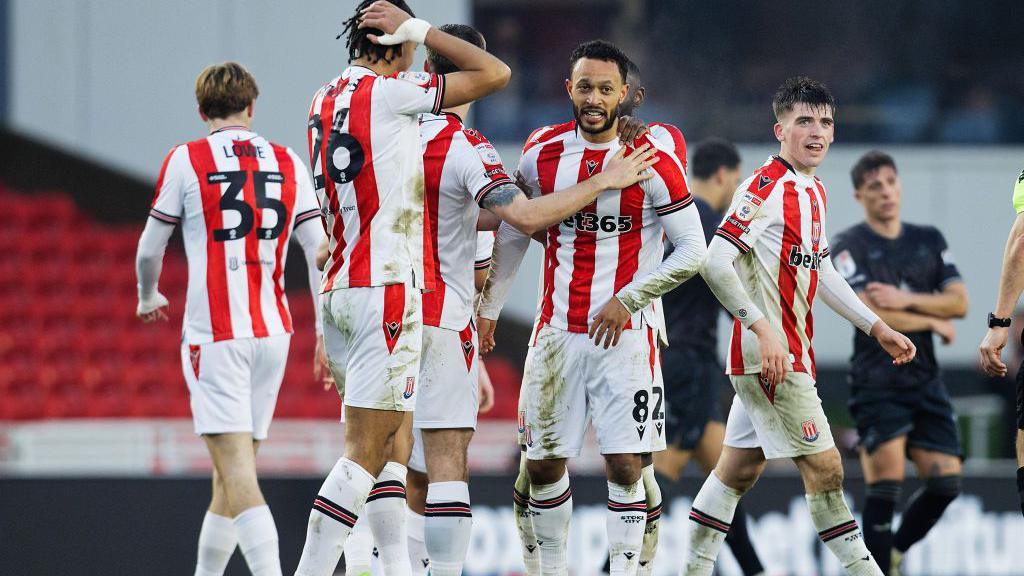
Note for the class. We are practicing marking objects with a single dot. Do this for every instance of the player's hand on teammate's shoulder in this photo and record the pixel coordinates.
(888, 296)
(991, 350)
(384, 16)
(624, 170)
(609, 323)
(321, 367)
(944, 329)
(775, 362)
(898, 346)
(630, 128)
(485, 333)
(152, 308)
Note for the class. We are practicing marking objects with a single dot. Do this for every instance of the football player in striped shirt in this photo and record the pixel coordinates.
(774, 232)
(368, 170)
(591, 357)
(238, 198)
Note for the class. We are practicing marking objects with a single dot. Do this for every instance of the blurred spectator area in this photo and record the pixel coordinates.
(70, 344)
(901, 71)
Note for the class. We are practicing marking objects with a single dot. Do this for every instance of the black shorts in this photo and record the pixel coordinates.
(693, 384)
(923, 413)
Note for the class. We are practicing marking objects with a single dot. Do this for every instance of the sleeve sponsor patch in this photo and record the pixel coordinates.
(749, 206)
(488, 154)
(421, 79)
(845, 264)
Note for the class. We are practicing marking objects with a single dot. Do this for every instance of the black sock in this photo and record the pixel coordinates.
(1020, 487)
(879, 503)
(739, 543)
(925, 509)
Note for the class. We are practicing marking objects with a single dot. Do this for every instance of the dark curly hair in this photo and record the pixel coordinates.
(801, 89)
(356, 38)
(600, 50)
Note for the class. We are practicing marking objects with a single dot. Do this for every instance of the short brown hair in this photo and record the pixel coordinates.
(867, 164)
(225, 89)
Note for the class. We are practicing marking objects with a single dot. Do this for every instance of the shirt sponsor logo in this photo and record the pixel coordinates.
(809, 261)
(737, 223)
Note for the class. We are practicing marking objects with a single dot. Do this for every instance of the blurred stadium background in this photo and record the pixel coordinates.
(99, 469)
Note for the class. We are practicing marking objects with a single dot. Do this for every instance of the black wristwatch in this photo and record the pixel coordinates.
(995, 322)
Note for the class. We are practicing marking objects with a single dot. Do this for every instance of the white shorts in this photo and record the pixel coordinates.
(568, 380)
(784, 423)
(658, 404)
(373, 338)
(449, 387)
(417, 460)
(233, 384)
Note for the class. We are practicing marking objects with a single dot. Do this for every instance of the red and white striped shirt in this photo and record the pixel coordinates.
(777, 221)
(237, 197)
(460, 168)
(593, 255)
(364, 147)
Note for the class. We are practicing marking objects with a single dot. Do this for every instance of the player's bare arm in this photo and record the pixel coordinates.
(529, 216)
(479, 73)
(950, 303)
(720, 274)
(1011, 284)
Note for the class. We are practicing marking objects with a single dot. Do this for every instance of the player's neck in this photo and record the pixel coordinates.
(240, 120)
(797, 166)
(460, 111)
(602, 137)
(380, 67)
(885, 228)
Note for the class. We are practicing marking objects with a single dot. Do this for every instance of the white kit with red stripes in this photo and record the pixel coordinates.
(238, 197)
(364, 147)
(592, 255)
(460, 168)
(777, 221)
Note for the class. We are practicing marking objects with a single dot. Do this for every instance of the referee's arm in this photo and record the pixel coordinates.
(1011, 283)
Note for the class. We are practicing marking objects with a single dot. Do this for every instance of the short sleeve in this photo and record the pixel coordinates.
(947, 271)
(667, 190)
(749, 215)
(413, 93)
(168, 203)
(480, 168)
(848, 260)
(307, 206)
(484, 248)
(1018, 194)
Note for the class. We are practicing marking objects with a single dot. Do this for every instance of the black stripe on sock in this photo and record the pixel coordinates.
(447, 510)
(837, 531)
(334, 511)
(553, 502)
(709, 521)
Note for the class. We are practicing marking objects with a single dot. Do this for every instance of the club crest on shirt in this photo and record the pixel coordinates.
(410, 387)
(810, 430)
(233, 263)
(194, 352)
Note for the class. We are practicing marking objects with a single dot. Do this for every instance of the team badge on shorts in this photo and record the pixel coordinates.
(522, 421)
(410, 387)
(194, 351)
(810, 430)
(529, 437)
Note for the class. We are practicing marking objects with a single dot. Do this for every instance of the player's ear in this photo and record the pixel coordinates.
(638, 97)
(778, 131)
(568, 88)
(249, 109)
(622, 94)
(201, 115)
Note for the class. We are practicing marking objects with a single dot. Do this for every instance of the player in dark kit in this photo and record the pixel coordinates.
(904, 273)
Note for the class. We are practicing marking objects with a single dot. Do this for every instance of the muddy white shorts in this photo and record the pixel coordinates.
(569, 380)
(449, 388)
(785, 421)
(657, 403)
(373, 338)
(233, 384)
(417, 460)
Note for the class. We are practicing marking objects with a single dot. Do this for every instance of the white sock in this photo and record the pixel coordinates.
(217, 543)
(650, 546)
(839, 531)
(335, 512)
(711, 514)
(625, 520)
(385, 511)
(551, 505)
(524, 520)
(418, 557)
(257, 537)
(359, 550)
(448, 526)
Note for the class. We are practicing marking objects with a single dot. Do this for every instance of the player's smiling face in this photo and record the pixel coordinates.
(806, 132)
(880, 194)
(596, 90)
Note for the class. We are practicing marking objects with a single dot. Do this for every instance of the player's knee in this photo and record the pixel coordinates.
(542, 472)
(947, 487)
(622, 468)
